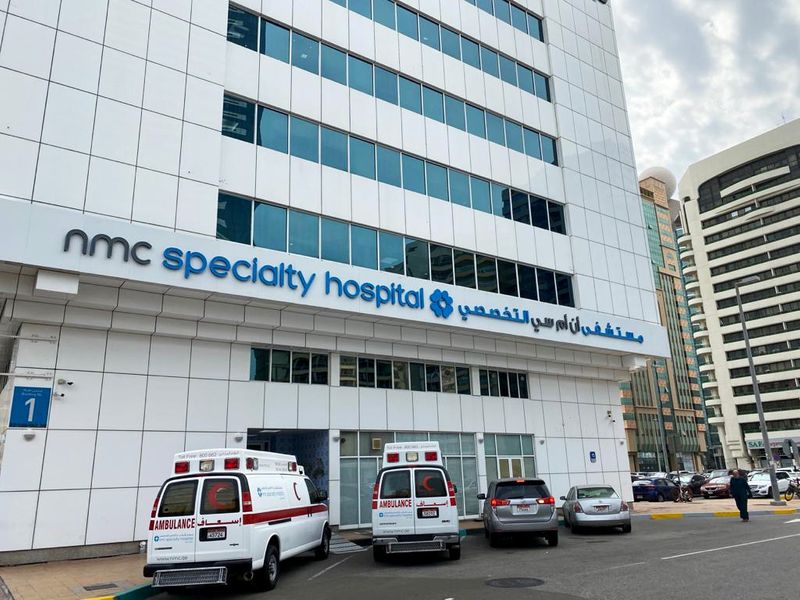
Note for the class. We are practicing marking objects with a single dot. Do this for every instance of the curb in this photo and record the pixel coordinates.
(137, 593)
(722, 514)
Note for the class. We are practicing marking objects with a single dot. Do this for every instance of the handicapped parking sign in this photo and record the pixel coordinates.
(593, 456)
(30, 406)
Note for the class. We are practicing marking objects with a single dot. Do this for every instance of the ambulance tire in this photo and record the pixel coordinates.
(379, 553)
(324, 549)
(268, 576)
(454, 551)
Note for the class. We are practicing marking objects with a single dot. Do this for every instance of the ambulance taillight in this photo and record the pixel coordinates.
(451, 491)
(247, 502)
(155, 506)
(375, 496)
(293, 466)
(231, 464)
(393, 457)
(182, 466)
(431, 456)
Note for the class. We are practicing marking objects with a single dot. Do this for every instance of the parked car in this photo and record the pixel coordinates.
(714, 473)
(694, 481)
(655, 489)
(761, 483)
(719, 487)
(595, 506)
(519, 506)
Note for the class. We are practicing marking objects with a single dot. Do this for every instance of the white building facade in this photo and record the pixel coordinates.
(310, 227)
(742, 214)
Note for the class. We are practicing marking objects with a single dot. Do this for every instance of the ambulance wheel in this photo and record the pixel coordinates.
(324, 548)
(272, 568)
(455, 551)
(379, 553)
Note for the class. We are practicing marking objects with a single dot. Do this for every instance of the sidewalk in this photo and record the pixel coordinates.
(718, 507)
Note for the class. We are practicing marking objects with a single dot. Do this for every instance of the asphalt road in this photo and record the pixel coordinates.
(690, 558)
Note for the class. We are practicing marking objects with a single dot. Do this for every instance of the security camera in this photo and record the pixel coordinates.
(65, 382)
(59, 394)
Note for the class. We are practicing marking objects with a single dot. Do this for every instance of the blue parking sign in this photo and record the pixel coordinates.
(593, 456)
(30, 407)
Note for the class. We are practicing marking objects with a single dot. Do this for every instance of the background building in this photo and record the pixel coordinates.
(742, 212)
(310, 227)
(662, 403)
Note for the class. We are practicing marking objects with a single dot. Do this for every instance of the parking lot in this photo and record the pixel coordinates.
(698, 557)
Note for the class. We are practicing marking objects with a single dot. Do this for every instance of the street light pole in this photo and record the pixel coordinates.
(776, 493)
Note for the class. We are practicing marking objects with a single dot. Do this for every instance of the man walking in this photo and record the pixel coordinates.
(740, 490)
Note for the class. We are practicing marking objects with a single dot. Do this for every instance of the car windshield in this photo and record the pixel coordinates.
(725, 479)
(513, 490)
(760, 477)
(596, 492)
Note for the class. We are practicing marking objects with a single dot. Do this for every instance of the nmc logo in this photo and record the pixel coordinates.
(89, 246)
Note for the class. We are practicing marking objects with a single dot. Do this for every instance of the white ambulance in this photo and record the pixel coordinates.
(414, 502)
(230, 515)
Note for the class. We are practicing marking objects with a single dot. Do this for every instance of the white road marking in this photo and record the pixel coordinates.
(636, 564)
(775, 539)
(329, 568)
(793, 521)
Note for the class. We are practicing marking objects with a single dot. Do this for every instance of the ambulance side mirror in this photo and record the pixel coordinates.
(455, 488)
(481, 496)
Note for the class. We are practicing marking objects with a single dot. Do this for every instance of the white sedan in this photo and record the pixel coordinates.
(761, 485)
(595, 506)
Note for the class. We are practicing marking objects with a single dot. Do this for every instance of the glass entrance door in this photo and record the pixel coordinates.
(509, 467)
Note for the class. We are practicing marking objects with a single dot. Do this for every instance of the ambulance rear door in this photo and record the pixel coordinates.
(393, 511)
(219, 520)
(432, 503)
(172, 528)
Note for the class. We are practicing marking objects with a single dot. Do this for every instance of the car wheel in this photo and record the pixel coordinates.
(552, 538)
(272, 569)
(454, 551)
(324, 548)
(660, 498)
(567, 523)
(493, 539)
(379, 553)
(626, 528)
(706, 496)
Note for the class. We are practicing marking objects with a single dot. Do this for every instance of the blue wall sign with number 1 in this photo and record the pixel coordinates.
(30, 407)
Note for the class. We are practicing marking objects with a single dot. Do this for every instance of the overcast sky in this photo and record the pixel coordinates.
(703, 75)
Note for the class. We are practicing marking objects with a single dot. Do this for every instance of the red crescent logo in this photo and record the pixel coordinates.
(294, 488)
(426, 483)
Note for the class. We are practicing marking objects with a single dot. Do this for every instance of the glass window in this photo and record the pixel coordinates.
(549, 154)
(542, 87)
(513, 391)
(429, 33)
(269, 226)
(179, 499)
(304, 139)
(242, 28)
(275, 41)
(335, 241)
(489, 61)
(300, 367)
(319, 369)
(503, 377)
(539, 212)
(507, 277)
(347, 371)
(480, 194)
(487, 273)
(494, 387)
(454, 109)
(499, 194)
(463, 387)
(525, 78)
(391, 253)
(384, 12)
(437, 181)
(486, 5)
(238, 118)
(396, 484)
(519, 207)
(502, 11)
(535, 27)
(365, 247)
(464, 263)
(413, 174)
(476, 121)
(564, 290)
(334, 64)
(334, 149)
(362, 158)
(514, 136)
(280, 365)
(495, 128)
(508, 70)
(385, 85)
(400, 370)
(556, 214)
(527, 282)
(407, 22)
(523, 385)
(362, 7)
(417, 264)
(449, 386)
(471, 53)
(433, 378)
(547, 286)
(305, 53)
(459, 187)
(519, 18)
(484, 379)
(506, 205)
(417, 372)
(389, 166)
(259, 364)
(451, 43)
(233, 218)
(441, 263)
(273, 129)
(303, 234)
(366, 372)
(360, 74)
(532, 148)
(410, 95)
(433, 103)
(383, 374)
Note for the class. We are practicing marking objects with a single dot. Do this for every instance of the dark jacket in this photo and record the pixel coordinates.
(740, 487)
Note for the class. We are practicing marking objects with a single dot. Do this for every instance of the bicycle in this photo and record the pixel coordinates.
(684, 494)
(792, 491)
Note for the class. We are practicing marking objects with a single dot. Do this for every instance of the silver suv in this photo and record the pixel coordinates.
(519, 506)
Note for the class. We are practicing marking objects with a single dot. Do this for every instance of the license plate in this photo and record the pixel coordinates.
(601, 508)
(523, 509)
(213, 534)
(428, 513)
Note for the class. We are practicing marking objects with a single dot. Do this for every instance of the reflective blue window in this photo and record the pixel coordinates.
(459, 187)
(480, 195)
(489, 61)
(275, 41)
(441, 263)
(334, 149)
(433, 104)
(549, 153)
(454, 110)
(486, 5)
(495, 129)
(547, 286)
(413, 174)
(334, 64)
(242, 28)
(385, 85)
(486, 269)
(437, 181)
(304, 139)
(410, 95)
(532, 143)
(340, 2)
(429, 33)
(507, 277)
(542, 86)
(335, 241)
(525, 78)
(407, 22)
(269, 227)
(238, 118)
(305, 53)
(417, 262)
(303, 234)
(527, 282)
(564, 290)
(471, 53)
(505, 205)
(539, 212)
(360, 75)
(365, 245)
(476, 121)
(392, 253)
(384, 13)
(519, 18)
(362, 158)
(233, 218)
(502, 10)
(362, 7)
(451, 43)
(514, 136)
(508, 70)
(464, 263)
(556, 214)
(498, 193)
(519, 207)
(535, 27)
(273, 129)
(389, 166)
